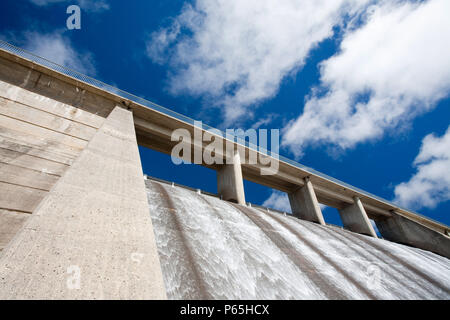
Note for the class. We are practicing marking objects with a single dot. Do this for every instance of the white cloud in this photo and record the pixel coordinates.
(237, 52)
(88, 5)
(45, 2)
(53, 46)
(431, 184)
(393, 68)
(159, 42)
(264, 121)
(57, 48)
(278, 200)
(94, 5)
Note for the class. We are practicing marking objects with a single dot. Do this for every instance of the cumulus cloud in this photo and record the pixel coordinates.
(45, 2)
(237, 52)
(89, 5)
(430, 185)
(393, 68)
(264, 121)
(59, 49)
(278, 200)
(53, 46)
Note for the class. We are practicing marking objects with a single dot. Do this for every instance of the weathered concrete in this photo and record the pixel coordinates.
(37, 146)
(10, 223)
(403, 230)
(46, 120)
(21, 176)
(230, 184)
(304, 203)
(20, 198)
(54, 86)
(33, 162)
(355, 219)
(92, 236)
(51, 106)
(39, 139)
(10, 124)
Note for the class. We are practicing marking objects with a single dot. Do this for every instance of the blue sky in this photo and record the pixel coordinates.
(359, 89)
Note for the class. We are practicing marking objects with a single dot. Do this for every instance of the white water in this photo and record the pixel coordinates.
(212, 249)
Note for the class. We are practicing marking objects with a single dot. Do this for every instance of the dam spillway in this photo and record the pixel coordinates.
(214, 249)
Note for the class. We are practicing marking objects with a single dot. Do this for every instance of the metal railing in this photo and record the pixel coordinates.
(128, 96)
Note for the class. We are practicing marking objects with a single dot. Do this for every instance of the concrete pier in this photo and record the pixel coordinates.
(304, 203)
(403, 230)
(354, 218)
(230, 184)
(92, 236)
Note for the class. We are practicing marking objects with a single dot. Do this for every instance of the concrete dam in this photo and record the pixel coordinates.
(79, 220)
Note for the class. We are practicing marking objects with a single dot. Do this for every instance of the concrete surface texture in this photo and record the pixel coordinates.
(39, 140)
(403, 230)
(304, 204)
(214, 249)
(230, 184)
(91, 237)
(354, 218)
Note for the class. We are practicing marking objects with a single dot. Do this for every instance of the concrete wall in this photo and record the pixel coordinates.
(354, 218)
(39, 140)
(304, 203)
(230, 184)
(403, 230)
(92, 236)
(72, 196)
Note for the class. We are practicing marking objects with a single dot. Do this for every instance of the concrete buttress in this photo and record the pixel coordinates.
(354, 218)
(230, 184)
(304, 203)
(91, 237)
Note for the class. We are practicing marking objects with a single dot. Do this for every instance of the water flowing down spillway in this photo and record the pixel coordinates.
(213, 249)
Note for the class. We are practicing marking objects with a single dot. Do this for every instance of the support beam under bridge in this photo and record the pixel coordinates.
(304, 203)
(354, 218)
(230, 184)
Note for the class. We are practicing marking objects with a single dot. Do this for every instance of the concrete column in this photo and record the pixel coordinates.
(230, 184)
(92, 236)
(304, 203)
(403, 230)
(354, 218)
